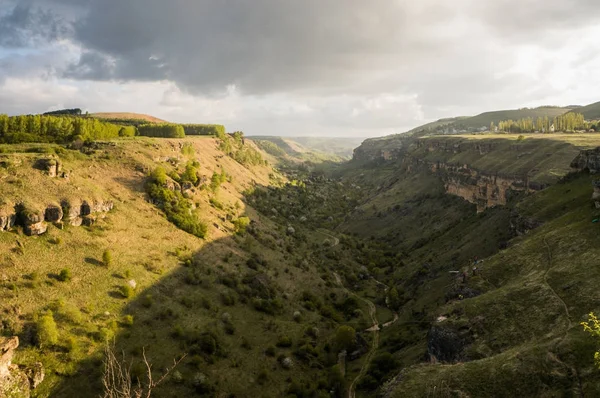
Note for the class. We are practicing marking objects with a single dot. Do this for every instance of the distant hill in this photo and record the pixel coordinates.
(337, 146)
(484, 119)
(590, 112)
(126, 116)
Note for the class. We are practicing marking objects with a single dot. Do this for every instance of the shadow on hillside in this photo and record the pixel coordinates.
(180, 314)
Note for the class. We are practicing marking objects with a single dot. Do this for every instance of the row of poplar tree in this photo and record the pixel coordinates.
(69, 128)
(567, 122)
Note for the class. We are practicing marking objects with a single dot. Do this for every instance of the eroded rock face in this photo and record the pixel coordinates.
(14, 383)
(51, 166)
(587, 160)
(479, 188)
(7, 220)
(596, 194)
(34, 222)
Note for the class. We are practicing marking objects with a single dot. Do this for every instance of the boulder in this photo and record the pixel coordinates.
(71, 209)
(13, 382)
(51, 166)
(35, 374)
(7, 348)
(7, 221)
(32, 220)
(587, 160)
(38, 228)
(53, 213)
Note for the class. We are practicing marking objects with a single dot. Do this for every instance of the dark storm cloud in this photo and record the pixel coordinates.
(261, 46)
(324, 46)
(25, 24)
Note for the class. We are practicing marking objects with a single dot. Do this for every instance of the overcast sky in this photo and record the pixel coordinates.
(310, 67)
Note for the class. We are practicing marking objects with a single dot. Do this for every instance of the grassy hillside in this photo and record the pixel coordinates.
(510, 329)
(484, 119)
(258, 287)
(332, 147)
(590, 112)
(125, 116)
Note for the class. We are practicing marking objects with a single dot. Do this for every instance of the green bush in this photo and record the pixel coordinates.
(126, 291)
(177, 208)
(64, 275)
(284, 342)
(47, 332)
(241, 224)
(216, 204)
(107, 258)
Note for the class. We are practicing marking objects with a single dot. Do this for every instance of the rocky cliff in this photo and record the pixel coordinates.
(587, 160)
(484, 171)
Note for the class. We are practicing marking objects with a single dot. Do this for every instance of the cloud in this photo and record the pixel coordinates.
(313, 66)
(26, 25)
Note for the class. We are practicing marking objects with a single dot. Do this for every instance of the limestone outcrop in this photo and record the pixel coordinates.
(35, 221)
(50, 165)
(16, 382)
(587, 160)
(596, 193)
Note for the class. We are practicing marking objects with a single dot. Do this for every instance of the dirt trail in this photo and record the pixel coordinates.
(374, 329)
(566, 308)
(372, 314)
(567, 313)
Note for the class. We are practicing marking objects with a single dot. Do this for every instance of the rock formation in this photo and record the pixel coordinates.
(16, 382)
(51, 166)
(596, 193)
(35, 221)
(587, 160)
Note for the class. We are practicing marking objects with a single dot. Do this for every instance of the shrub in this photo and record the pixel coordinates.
(127, 320)
(241, 224)
(47, 332)
(284, 342)
(107, 258)
(270, 351)
(345, 337)
(216, 204)
(126, 291)
(64, 275)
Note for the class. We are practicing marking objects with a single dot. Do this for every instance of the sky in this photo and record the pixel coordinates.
(312, 67)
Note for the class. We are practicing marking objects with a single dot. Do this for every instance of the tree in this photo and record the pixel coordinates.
(345, 337)
(47, 332)
(394, 298)
(592, 326)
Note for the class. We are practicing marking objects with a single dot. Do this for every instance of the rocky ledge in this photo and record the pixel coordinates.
(35, 220)
(15, 381)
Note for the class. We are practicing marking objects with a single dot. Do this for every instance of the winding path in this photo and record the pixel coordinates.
(567, 313)
(374, 329)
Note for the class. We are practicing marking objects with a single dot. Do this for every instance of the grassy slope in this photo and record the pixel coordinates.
(590, 112)
(127, 116)
(518, 324)
(148, 249)
(529, 342)
(484, 119)
(313, 148)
